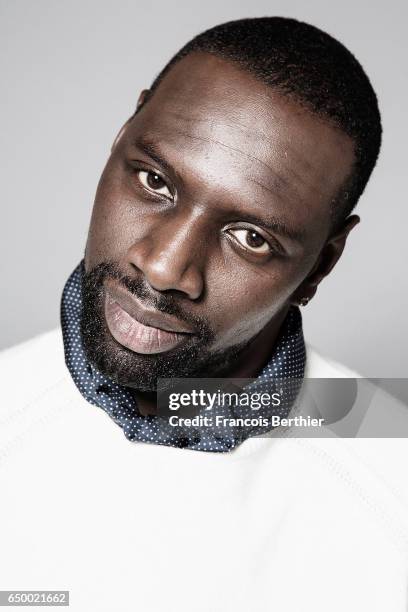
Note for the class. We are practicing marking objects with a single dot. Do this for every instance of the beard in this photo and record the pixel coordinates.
(193, 359)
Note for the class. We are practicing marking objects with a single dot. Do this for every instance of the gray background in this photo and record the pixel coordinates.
(71, 73)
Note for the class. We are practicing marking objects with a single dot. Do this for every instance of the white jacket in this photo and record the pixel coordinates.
(280, 524)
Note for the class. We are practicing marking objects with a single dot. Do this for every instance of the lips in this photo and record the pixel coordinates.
(141, 329)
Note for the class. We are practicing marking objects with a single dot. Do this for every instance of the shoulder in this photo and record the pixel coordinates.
(30, 368)
(33, 354)
(372, 434)
(320, 366)
(40, 343)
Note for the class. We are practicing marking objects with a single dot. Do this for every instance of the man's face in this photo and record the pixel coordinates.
(212, 210)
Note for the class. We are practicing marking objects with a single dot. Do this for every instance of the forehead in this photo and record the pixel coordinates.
(231, 129)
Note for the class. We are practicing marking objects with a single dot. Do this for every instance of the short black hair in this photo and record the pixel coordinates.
(312, 68)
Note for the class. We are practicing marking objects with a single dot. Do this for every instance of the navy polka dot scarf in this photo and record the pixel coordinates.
(287, 364)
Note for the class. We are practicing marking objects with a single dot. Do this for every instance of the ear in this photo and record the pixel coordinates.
(328, 257)
(143, 97)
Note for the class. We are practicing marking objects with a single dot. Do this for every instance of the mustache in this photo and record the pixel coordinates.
(93, 284)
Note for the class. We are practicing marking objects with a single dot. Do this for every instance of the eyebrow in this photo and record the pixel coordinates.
(271, 223)
(152, 150)
(275, 225)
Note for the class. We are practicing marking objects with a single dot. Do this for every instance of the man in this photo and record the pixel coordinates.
(225, 201)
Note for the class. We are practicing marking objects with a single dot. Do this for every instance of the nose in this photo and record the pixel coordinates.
(171, 256)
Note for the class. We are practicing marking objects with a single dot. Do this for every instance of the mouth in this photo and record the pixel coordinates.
(139, 328)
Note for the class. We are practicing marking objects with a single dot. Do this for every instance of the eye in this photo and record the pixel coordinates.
(153, 182)
(251, 240)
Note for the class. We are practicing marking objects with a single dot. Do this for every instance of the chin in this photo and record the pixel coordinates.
(142, 372)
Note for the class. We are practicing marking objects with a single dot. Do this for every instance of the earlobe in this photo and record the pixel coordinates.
(328, 257)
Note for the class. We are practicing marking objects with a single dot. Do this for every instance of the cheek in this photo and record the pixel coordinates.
(115, 224)
(245, 300)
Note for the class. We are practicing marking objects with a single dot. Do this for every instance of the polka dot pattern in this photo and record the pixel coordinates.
(284, 372)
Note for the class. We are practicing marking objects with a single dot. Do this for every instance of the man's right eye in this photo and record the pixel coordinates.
(153, 182)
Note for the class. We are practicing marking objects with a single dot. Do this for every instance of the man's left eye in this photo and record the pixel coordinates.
(251, 240)
(154, 182)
